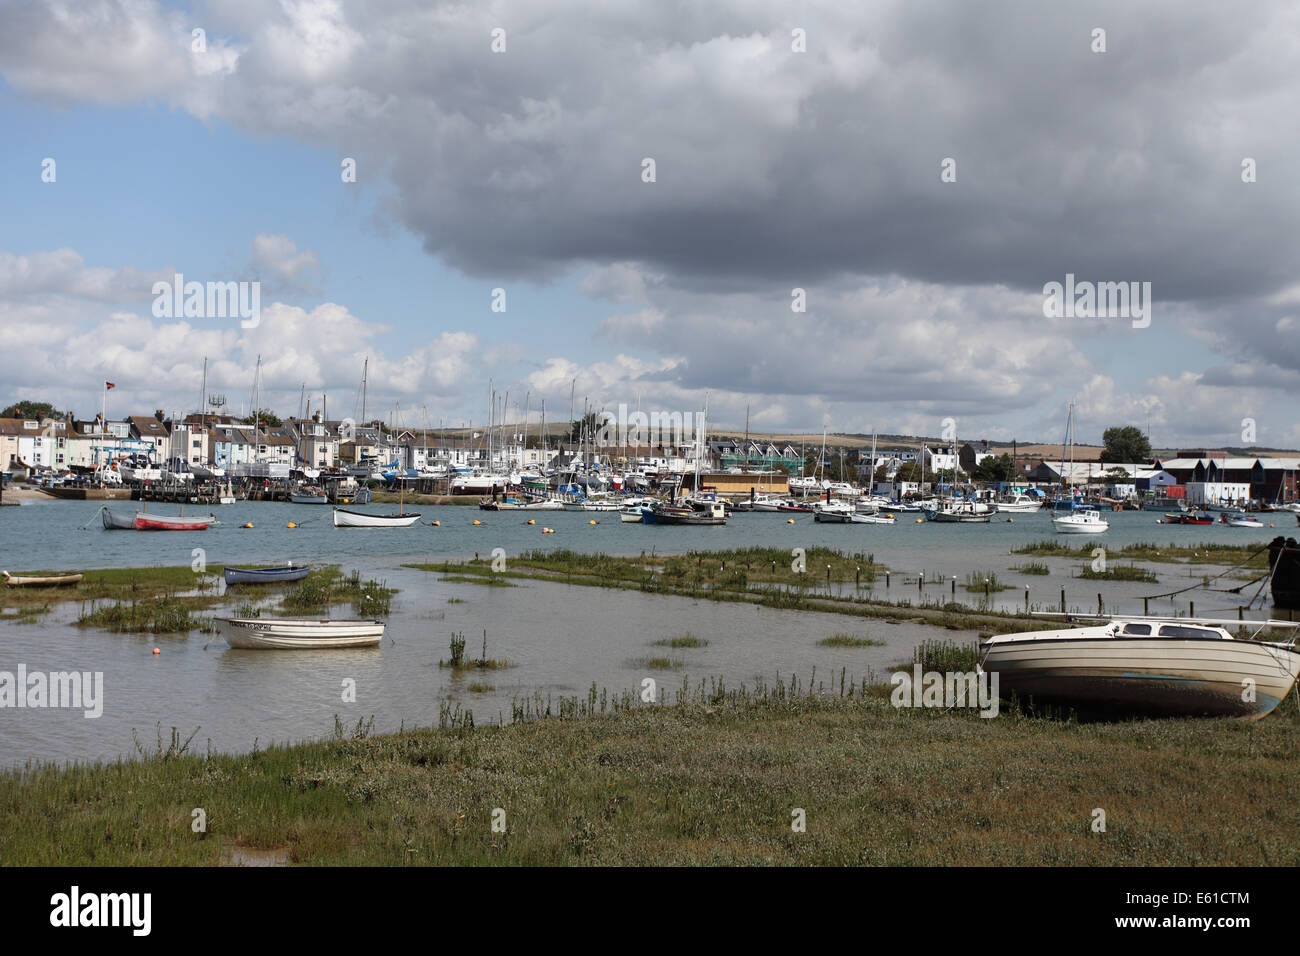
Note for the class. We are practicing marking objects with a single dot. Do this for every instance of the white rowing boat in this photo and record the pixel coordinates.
(343, 518)
(40, 580)
(1146, 666)
(289, 633)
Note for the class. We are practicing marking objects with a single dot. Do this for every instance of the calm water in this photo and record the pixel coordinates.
(560, 638)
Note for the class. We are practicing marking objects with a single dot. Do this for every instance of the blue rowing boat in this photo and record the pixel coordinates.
(267, 575)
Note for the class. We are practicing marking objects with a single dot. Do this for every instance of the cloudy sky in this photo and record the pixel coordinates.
(794, 145)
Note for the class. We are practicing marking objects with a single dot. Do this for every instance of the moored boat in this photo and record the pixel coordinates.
(343, 518)
(290, 572)
(40, 580)
(1284, 572)
(1080, 522)
(1145, 666)
(116, 521)
(287, 633)
(154, 522)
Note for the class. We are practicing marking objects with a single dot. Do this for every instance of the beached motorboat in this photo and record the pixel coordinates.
(1145, 666)
(1086, 521)
(343, 518)
(40, 580)
(289, 633)
(290, 572)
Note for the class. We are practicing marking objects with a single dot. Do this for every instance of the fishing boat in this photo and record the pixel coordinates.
(1284, 572)
(1086, 521)
(1019, 504)
(343, 518)
(40, 580)
(696, 513)
(1189, 517)
(289, 633)
(289, 572)
(309, 495)
(1145, 666)
(833, 512)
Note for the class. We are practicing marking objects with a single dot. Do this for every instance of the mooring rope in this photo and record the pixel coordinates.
(1192, 587)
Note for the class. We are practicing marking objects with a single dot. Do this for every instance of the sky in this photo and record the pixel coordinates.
(914, 174)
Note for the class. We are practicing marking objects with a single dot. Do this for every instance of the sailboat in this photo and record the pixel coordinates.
(346, 518)
(1083, 521)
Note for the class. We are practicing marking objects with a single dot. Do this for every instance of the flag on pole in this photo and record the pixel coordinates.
(109, 385)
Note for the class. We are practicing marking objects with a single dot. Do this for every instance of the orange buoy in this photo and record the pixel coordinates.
(291, 525)
(248, 525)
(437, 524)
(789, 521)
(156, 651)
(592, 521)
(476, 521)
(532, 521)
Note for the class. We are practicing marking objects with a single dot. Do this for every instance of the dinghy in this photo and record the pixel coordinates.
(148, 522)
(289, 633)
(1146, 666)
(289, 572)
(40, 580)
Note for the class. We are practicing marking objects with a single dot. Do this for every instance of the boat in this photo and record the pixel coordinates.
(1284, 572)
(40, 580)
(695, 512)
(1189, 517)
(290, 633)
(309, 495)
(290, 572)
(148, 522)
(961, 512)
(1086, 521)
(343, 518)
(1240, 521)
(1020, 504)
(833, 512)
(1076, 520)
(1145, 666)
(143, 521)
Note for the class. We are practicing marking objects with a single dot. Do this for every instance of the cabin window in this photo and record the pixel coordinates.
(1137, 630)
(1178, 630)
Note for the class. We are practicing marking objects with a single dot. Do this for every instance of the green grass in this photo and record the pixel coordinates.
(121, 586)
(1033, 567)
(164, 616)
(944, 656)
(459, 662)
(326, 586)
(710, 780)
(657, 663)
(492, 582)
(682, 640)
(849, 640)
(1203, 553)
(978, 581)
(1118, 572)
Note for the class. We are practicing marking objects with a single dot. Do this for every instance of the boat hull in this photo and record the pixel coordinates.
(265, 575)
(298, 633)
(147, 522)
(117, 522)
(1154, 676)
(1284, 572)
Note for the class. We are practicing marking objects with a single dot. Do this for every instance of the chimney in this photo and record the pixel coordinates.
(159, 414)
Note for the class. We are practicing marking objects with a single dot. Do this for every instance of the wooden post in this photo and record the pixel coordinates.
(1062, 600)
(1191, 609)
(1026, 599)
(886, 580)
(954, 586)
(857, 578)
(1099, 604)
(1146, 608)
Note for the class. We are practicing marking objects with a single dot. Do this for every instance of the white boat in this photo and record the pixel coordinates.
(1241, 521)
(834, 512)
(343, 518)
(288, 633)
(963, 511)
(116, 521)
(40, 580)
(478, 483)
(207, 472)
(1020, 504)
(1146, 665)
(1086, 521)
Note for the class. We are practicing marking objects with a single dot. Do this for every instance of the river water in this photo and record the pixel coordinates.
(559, 638)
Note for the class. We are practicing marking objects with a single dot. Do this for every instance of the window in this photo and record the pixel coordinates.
(1180, 630)
(1136, 630)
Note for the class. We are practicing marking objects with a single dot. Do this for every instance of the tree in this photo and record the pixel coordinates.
(1125, 443)
(263, 416)
(589, 424)
(30, 409)
(999, 468)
